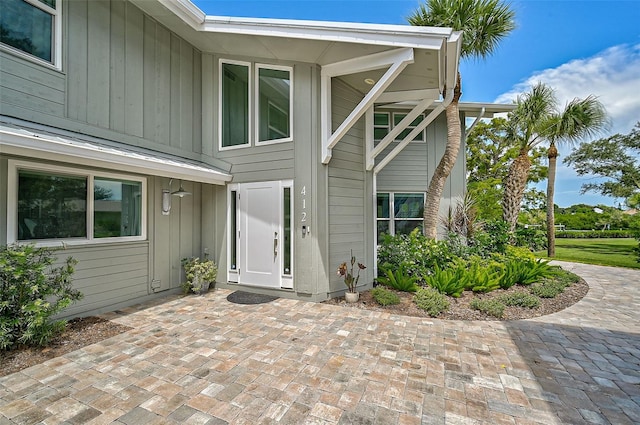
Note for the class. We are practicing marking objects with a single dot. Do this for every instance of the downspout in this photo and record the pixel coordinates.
(475, 122)
(434, 114)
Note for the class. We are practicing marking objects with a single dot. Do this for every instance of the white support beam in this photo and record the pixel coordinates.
(367, 63)
(369, 139)
(401, 126)
(408, 95)
(429, 118)
(398, 59)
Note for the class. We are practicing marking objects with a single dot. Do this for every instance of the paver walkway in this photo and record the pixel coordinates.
(203, 360)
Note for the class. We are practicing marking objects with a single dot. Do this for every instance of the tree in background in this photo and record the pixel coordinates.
(616, 159)
(485, 23)
(490, 151)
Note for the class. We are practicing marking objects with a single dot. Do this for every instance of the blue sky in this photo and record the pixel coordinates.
(577, 47)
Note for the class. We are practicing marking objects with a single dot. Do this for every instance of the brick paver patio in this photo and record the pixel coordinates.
(203, 360)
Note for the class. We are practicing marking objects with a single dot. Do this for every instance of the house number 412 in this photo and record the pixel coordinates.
(304, 204)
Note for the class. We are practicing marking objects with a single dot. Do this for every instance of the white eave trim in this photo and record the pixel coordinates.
(55, 148)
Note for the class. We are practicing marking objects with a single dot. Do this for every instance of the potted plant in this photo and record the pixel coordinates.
(351, 295)
(200, 274)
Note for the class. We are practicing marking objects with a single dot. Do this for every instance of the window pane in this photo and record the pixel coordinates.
(50, 3)
(234, 231)
(51, 206)
(404, 227)
(398, 117)
(381, 119)
(383, 205)
(383, 228)
(117, 208)
(287, 231)
(274, 90)
(27, 28)
(379, 133)
(408, 205)
(235, 105)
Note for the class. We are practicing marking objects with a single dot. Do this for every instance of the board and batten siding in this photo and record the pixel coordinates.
(347, 200)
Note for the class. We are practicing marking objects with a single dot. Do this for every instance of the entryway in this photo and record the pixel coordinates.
(260, 237)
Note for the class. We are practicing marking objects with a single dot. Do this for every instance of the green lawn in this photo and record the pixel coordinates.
(606, 252)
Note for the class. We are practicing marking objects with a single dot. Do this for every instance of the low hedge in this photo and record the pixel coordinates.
(595, 234)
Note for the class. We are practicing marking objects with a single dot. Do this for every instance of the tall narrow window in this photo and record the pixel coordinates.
(381, 125)
(234, 231)
(383, 217)
(117, 208)
(274, 104)
(286, 261)
(234, 108)
(31, 26)
(51, 206)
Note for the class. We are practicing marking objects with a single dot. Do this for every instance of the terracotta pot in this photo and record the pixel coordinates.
(351, 297)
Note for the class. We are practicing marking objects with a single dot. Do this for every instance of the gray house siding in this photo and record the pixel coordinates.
(124, 78)
(348, 204)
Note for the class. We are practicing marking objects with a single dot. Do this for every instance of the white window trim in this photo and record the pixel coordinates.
(391, 219)
(221, 99)
(286, 280)
(256, 117)
(391, 116)
(56, 39)
(14, 166)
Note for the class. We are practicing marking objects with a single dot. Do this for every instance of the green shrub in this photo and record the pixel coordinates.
(384, 296)
(483, 278)
(431, 301)
(491, 307)
(531, 238)
(519, 299)
(596, 234)
(31, 292)
(448, 281)
(565, 277)
(492, 239)
(548, 288)
(399, 280)
(524, 272)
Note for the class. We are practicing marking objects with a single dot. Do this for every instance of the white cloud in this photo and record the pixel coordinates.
(612, 75)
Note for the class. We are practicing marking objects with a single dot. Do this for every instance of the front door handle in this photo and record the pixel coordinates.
(275, 245)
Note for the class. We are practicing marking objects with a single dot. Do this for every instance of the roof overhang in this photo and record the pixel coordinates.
(18, 140)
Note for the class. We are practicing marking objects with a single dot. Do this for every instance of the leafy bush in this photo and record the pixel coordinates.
(595, 234)
(199, 274)
(532, 238)
(399, 280)
(416, 253)
(565, 277)
(482, 276)
(548, 288)
(31, 292)
(384, 296)
(448, 281)
(494, 238)
(491, 307)
(431, 301)
(524, 272)
(519, 299)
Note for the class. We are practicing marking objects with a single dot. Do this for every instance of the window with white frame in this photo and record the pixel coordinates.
(274, 104)
(57, 203)
(32, 29)
(271, 116)
(383, 122)
(399, 213)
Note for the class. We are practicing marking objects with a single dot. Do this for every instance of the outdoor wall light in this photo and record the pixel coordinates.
(166, 197)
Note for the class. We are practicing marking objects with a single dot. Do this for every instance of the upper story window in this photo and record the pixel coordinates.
(383, 122)
(271, 116)
(56, 203)
(274, 98)
(32, 28)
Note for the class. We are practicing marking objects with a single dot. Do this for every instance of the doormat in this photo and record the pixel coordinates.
(241, 297)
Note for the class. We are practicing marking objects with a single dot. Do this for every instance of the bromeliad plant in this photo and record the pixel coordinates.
(349, 279)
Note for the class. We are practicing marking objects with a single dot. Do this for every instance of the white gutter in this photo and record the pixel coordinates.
(475, 122)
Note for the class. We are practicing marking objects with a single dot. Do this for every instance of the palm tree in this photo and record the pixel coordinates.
(580, 118)
(485, 23)
(533, 108)
(536, 120)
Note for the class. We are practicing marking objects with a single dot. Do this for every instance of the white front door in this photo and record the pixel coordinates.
(259, 234)
(260, 244)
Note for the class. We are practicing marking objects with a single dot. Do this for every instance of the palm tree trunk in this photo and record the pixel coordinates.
(442, 171)
(514, 186)
(552, 154)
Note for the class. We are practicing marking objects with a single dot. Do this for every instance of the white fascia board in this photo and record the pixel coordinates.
(408, 95)
(91, 155)
(454, 44)
(186, 10)
(428, 38)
